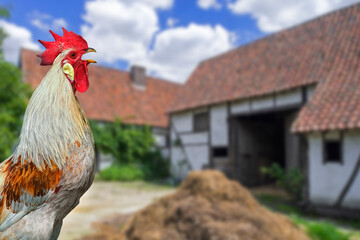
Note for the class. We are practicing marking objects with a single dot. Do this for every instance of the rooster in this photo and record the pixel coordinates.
(54, 162)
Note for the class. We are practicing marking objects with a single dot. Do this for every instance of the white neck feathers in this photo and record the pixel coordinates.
(53, 121)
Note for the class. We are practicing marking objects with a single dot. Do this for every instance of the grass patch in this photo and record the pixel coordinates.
(276, 203)
(315, 226)
(321, 230)
(122, 173)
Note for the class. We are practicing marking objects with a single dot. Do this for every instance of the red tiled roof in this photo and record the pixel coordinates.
(325, 50)
(112, 94)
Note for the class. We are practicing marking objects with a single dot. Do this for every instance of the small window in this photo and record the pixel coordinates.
(333, 147)
(201, 122)
(220, 152)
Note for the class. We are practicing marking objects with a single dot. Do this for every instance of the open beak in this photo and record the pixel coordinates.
(90, 61)
(88, 51)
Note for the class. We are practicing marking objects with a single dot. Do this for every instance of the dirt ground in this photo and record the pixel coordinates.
(104, 199)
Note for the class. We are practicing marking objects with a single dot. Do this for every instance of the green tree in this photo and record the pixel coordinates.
(13, 99)
(127, 143)
(134, 150)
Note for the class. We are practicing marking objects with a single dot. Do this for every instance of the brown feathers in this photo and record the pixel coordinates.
(27, 178)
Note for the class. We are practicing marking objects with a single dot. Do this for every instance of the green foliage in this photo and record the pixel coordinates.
(321, 230)
(122, 173)
(154, 166)
(177, 142)
(131, 146)
(292, 181)
(127, 143)
(13, 99)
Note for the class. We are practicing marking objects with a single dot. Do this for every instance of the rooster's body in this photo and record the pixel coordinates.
(53, 164)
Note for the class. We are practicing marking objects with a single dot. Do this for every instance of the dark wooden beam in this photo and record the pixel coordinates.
(348, 184)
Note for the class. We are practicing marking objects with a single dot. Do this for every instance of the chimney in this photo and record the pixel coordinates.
(138, 76)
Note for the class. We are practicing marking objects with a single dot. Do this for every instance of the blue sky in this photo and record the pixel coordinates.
(169, 37)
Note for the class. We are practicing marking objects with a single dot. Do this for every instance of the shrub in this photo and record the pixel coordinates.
(131, 146)
(122, 173)
(292, 181)
(14, 95)
(155, 166)
(127, 143)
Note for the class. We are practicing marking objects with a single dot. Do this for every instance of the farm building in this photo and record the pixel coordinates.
(132, 96)
(291, 98)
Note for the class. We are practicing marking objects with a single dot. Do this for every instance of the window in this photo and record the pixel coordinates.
(333, 147)
(220, 152)
(201, 122)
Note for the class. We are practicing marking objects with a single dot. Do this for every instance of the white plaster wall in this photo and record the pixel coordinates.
(288, 98)
(219, 125)
(165, 152)
(106, 160)
(179, 170)
(240, 107)
(194, 138)
(351, 153)
(326, 181)
(183, 122)
(262, 103)
(195, 145)
(160, 140)
(198, 156)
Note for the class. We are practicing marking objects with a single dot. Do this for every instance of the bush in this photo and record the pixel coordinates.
(155, 166)
(130, 146)
(127, 143)
(292, 181)
(14, 95)
(122, 173)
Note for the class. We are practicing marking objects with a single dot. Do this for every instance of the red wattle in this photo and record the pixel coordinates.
(81, 78)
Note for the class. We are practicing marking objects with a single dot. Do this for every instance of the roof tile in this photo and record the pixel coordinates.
(325, 51)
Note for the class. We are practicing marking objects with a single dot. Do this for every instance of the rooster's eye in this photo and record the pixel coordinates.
(72, 55)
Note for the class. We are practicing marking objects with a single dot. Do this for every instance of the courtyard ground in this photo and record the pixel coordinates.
(112, 201)
(105, 199)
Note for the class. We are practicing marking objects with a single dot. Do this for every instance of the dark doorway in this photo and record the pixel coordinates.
(259, 142)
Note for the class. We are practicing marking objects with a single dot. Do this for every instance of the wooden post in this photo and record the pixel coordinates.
(348, 185)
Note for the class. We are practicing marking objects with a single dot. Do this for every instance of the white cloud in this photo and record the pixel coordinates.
(116, 30)
(59, 23)
(162, 4)
(177, 51)
(171, 22)
(171, 53)
(276, 15)
(46, 22)
(206, 4)
(17, 37)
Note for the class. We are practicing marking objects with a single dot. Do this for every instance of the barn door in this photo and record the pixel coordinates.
(247, 154)
(256, 147)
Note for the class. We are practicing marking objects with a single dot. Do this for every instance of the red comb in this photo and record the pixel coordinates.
(67, 41)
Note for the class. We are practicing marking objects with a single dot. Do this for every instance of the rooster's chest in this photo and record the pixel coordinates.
(80, 166)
